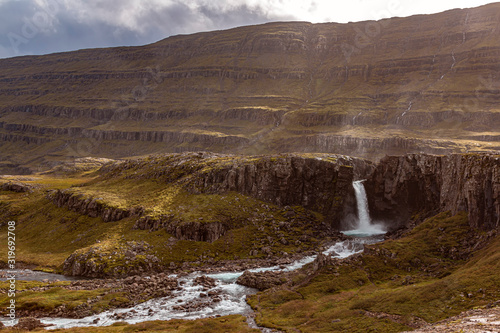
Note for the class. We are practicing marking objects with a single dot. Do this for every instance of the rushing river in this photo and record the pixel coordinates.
(232, 295)
(187, 301)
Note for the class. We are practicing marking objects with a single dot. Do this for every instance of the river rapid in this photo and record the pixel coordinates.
(186, 302)
(191, 299)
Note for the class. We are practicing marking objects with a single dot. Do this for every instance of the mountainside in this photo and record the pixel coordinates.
(423, 83)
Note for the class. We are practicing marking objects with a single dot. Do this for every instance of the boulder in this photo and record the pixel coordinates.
(261, 280)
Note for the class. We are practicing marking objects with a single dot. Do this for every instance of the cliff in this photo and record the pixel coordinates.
(317, 182)
(90, 206)
(197, 208)
(321, 184)
(422, 83)
(399, 188)
(402, 186)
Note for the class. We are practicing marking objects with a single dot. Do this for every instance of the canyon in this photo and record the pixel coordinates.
(179, 218)
(288, 199)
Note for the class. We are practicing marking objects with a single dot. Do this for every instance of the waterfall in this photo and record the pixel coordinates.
(362, 202)
(364, 227)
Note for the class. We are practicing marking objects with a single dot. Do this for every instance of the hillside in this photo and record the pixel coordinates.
(423, 83)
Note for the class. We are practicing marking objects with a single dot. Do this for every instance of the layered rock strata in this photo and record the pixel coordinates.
(402, 186)
(422, 83)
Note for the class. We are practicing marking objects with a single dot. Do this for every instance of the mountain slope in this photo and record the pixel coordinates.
(423, 83)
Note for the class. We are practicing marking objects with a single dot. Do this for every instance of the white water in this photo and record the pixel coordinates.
(364, 226)
(233, 296)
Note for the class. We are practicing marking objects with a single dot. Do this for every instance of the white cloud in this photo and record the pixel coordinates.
(74, 24)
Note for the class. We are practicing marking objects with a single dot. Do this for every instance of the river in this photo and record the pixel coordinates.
(187, 301)
(181, 304)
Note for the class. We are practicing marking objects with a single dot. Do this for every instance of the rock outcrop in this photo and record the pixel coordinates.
(16, 187)
(262, 280)
(184, 230)
(322, 184)
(97, 262)
(90, 206)
(29, 324)
(402, 186)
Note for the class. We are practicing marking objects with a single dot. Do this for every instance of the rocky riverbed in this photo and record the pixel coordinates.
(187, 295)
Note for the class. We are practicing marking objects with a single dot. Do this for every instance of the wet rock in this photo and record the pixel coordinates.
(137, 289)
(320, 262)
(205, 281)
(261, 280)
(29, 324)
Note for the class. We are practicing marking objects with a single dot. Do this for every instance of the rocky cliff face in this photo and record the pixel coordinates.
(191, 230)
(322, 184)
(319, 182)
(423, 83)
(91, 206)
(402, 186)
(398, 187)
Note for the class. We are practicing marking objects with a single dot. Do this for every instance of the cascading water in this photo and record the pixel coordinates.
(362, 203)
(364, 226)
(232, 296)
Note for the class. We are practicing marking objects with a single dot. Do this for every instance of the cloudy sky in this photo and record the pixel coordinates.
(47, 26)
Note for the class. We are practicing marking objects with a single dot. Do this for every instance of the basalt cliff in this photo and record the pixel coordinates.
(426, 83)
(401, 189)
(402, 186)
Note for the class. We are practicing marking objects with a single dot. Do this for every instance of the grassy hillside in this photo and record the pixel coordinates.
(47, 234)
(438, 270)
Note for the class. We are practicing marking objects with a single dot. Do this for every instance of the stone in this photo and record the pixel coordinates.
(261, 280)
(402, 186)
(29, 324)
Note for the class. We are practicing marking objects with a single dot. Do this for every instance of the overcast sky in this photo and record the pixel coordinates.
(47, 26)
